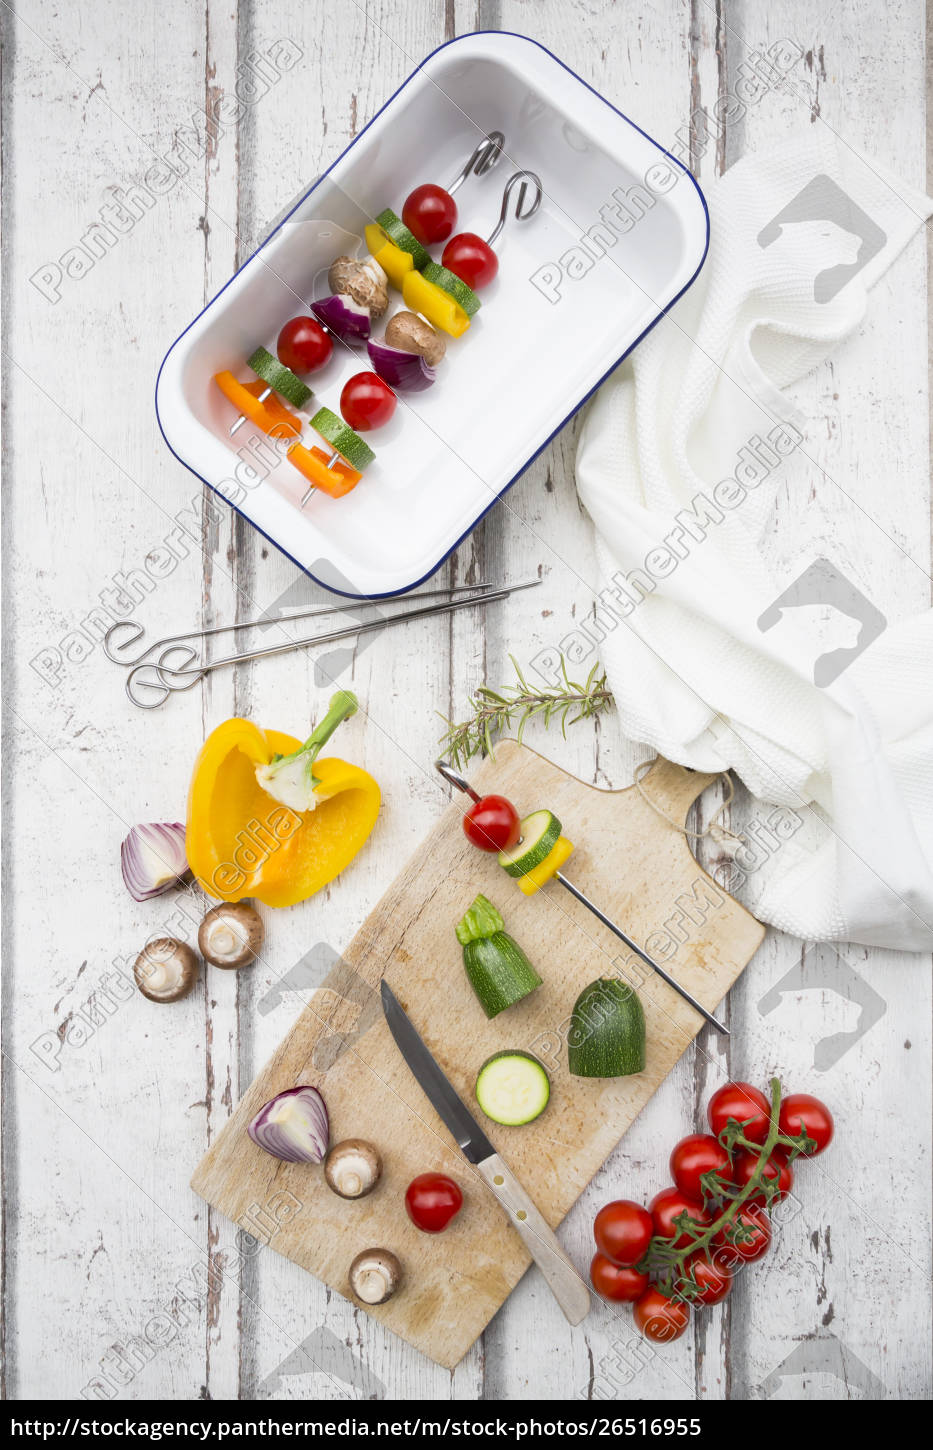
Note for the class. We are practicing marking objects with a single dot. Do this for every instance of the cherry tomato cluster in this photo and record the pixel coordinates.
(366, 401)
(684, 1248)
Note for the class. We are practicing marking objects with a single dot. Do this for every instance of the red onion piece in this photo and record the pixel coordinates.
(407, 371)
(152, 859)
(343, 316)
(293, 1126)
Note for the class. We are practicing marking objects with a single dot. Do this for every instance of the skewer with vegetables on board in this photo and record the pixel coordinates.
(532, 849)
(440, 296)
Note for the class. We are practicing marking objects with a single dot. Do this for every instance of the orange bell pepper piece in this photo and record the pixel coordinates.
(242, 841)
(270, 415)
(313, 464)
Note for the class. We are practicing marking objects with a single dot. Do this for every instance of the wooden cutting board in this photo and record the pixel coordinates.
(640, 871)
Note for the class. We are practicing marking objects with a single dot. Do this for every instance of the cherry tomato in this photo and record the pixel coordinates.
(661, 1319)
(668, 1205)
(753, 1229)
(616, 1281)
(492, 823)
(471, 259)
(776, 1170)
(695, 1156)
(366, 402)
(303, 345)
(623, 1231)
(432, 1200)
(430, 214)
(802, 1114)
(746, 1104)
(712, 1275)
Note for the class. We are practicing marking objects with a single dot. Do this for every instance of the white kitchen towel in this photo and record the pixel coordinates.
(680, 461)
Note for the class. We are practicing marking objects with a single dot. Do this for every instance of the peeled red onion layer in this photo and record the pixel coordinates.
(293, 1126)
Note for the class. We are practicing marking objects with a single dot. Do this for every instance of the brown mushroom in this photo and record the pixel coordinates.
(375, 1274)
(353, 1168)
(165, 970)
(231, 935)
(410, 333)
(364, 281)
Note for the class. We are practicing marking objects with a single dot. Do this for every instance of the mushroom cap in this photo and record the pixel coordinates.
(411, 333)
(165, 970)
(375, 1274)
(353, 1168)
(364, 281)
(231, 935)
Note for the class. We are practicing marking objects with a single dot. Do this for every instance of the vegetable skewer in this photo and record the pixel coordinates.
(549, 867)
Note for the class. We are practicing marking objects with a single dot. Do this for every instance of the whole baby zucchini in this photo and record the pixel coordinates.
(499, 972)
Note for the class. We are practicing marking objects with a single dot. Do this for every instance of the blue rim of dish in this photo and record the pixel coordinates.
(397, 593)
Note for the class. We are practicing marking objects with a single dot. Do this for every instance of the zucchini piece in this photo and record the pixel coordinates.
(347, 443)
(607, 1031)
(512, 1088)
(454, 286)
(498, 970)
(397, 232)
(278, 376)
(539, 833)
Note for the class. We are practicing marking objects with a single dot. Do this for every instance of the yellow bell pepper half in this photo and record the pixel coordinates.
(241, 841)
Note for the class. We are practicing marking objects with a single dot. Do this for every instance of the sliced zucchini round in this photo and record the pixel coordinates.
(278, 376)
(340, 436)
(397, 232)
(539, 835)
(512, 1088)
(454, 286)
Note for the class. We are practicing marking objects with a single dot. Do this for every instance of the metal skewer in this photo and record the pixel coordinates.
(170, 641)
(483, 159)
(455, 779)
(261, 398)
(311, 489)
(186, 675)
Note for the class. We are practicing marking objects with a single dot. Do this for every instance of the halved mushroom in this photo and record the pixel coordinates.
(364, 281)
(165, 970)
(231, 935)
(375, 1274)
(353, 1168)
(410, 333)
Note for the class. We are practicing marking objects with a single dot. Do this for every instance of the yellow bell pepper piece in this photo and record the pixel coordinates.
(539, 875)
(241, 841)
(434, 303)
(394, 262)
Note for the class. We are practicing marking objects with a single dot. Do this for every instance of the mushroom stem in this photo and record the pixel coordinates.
(165, 970)
(375, 1274)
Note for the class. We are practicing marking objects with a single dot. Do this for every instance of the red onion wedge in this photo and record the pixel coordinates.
(293, 1126)
(346, 318)
(152, 859)
(406, 371)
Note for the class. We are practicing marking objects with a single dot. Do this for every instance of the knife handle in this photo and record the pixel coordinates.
(562, 1278)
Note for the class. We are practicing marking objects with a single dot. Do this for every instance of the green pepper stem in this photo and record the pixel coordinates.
(342, 706)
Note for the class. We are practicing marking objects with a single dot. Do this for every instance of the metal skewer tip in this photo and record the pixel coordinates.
(242, 418)
(634, 947)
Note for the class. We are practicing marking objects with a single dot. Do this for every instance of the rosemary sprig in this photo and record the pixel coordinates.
(512, 706)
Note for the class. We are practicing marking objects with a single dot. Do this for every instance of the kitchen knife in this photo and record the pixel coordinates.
(562, 1278)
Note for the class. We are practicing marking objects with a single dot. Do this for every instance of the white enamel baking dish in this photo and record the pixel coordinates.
(553, 324)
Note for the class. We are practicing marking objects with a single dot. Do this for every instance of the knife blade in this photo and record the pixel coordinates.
(562, 1278)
